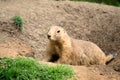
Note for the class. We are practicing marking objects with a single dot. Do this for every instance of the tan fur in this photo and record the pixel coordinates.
(73, 51)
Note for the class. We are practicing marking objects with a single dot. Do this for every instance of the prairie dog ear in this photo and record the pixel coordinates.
(64, 30)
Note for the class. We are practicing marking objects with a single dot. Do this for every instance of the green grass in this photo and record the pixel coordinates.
(108, 2)
(18, 21)
(29, 69)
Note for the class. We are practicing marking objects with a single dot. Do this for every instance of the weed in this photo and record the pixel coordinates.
(29, 69)
(18, 21)
(108, 2)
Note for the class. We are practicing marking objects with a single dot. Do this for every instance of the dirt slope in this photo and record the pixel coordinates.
(88, 21)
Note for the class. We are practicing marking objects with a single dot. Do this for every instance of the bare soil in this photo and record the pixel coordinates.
(87, 21)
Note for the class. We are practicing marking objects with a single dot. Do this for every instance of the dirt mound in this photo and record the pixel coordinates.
(88, 21)
(10, 44)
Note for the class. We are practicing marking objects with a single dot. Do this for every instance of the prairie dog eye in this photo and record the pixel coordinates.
(58, 31)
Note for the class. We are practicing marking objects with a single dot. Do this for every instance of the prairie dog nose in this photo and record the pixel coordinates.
(48, 36)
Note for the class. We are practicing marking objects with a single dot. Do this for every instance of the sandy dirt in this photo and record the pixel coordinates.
(82, 20)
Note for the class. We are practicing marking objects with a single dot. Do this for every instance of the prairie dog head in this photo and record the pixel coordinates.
(56, 33)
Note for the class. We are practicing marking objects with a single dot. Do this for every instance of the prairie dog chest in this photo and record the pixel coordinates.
(58, 49)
